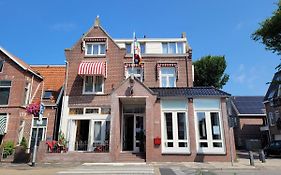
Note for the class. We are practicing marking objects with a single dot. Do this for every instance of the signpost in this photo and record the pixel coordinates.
(38, 122)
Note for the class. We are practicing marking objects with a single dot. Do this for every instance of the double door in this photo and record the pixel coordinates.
(133, 133)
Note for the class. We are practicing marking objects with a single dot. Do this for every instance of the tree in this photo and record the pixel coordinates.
(209, 71)
(269, 32)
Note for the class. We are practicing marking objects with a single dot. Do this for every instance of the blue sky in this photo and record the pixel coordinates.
(38, 32)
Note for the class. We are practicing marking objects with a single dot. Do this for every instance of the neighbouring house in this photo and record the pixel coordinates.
(151, 109)
(272, 102)
(20, 86)
(249, 113)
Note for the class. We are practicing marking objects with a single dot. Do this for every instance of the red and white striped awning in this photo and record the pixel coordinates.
(92, 68)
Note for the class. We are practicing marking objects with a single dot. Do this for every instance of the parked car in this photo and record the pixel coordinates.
(273, 148)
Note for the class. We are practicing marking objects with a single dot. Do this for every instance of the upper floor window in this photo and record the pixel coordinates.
(128, 48)
(26, 93)
(142, 47)
(47, 94)
(1, 65)
(137, 71)
(5, 86)
(95, 48)
(172, 47)
(93, 85)
(167, 77)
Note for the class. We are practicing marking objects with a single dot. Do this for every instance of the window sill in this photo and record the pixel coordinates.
(95, 56)
(94, 94)
(211, 152)
(175, 152)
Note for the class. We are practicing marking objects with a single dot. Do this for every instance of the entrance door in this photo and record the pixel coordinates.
(133, 133)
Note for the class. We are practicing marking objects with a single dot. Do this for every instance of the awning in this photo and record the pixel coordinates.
(3, 124)
(92, 68)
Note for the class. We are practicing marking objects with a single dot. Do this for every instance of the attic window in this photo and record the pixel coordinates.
(1, 65)
(47, 94)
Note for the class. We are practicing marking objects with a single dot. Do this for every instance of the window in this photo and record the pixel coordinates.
(272, 119)
(172, 47)
(175, 132)
(92, 110)
(101, 132)
(47, 94)
(1, 65)
(97, 131)
(209, 132)
(128, 48)
(93, 85)
(137, 71)
(26, 94)
(168, 77)
(5, 86)
(75, 111)
(95, 48)
(142, 47)
(42, 130)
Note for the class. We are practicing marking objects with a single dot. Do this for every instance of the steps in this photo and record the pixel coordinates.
(131, 157)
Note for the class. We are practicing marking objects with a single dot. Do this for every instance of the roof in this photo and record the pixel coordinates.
(54, 76)
(190, 92)
(19, 62)
(272, 91)
(248, 104)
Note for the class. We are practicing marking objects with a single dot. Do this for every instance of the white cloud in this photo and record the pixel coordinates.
(63, 27)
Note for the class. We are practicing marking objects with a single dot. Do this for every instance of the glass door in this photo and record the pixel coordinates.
(139, 135)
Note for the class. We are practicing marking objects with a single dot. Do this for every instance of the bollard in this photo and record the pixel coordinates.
(251, 156)
(262, 156)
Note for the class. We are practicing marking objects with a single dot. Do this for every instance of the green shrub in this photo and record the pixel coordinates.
(8, 148)
(23, 143)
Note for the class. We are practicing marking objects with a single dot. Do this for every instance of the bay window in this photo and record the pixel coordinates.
(93, 84)
(95, 48)
(167, 77)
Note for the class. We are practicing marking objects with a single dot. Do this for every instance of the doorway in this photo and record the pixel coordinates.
(133, 133)
(82, 135)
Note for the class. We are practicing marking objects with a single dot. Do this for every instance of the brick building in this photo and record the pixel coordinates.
(152, 109)
(21, 85)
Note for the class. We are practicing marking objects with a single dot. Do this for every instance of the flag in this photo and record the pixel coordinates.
(136, 51)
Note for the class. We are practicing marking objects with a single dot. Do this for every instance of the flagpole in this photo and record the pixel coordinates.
(133, 57)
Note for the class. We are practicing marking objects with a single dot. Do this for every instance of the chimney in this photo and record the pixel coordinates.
(97, 21)
(183, 34)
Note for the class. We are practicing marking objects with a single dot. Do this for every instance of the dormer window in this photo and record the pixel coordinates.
(172, 47)
(93, 49)
(47, 95)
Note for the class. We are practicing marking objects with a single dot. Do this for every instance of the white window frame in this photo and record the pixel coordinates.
(177, 50)
(92, 132)
(44, 134)
(167, 76)
(92, 48)
(98, 108)
(175, 149)
(140, 76)
(93, 89)
(26, 98)
(210, 149)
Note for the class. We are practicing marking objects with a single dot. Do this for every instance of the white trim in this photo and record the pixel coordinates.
(93, 88)
(152, 40)
(175, 149)
(23, 67)
(210, 149)
(167, 76)
(92, 48)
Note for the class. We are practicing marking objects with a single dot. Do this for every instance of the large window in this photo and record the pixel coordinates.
(137, 71)
(175, 132)
(95, 48)
(172, 47)
(93, 85)
(128, 48)
(101, 133)
(209, 132)
(168, 77)
(5, 86)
